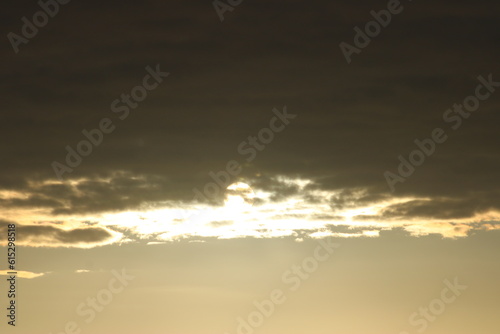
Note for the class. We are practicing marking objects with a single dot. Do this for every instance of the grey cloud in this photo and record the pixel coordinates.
(221, 223)
(451, 208)
(54, 236)
(225, 79)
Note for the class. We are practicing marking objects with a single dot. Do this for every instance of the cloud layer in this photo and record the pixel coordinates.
(354, 120)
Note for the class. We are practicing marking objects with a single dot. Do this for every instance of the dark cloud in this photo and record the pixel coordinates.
(354, 120)
(33, 201)
(448, 208)
(56, 236)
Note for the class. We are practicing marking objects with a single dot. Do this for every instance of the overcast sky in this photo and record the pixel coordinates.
(119, 116)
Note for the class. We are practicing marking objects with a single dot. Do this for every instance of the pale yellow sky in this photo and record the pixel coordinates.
(366, 285)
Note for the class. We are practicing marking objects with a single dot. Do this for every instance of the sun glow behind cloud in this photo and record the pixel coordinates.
(258, 213)
(295, 216)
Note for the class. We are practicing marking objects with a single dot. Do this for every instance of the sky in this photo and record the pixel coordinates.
(250, 166)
